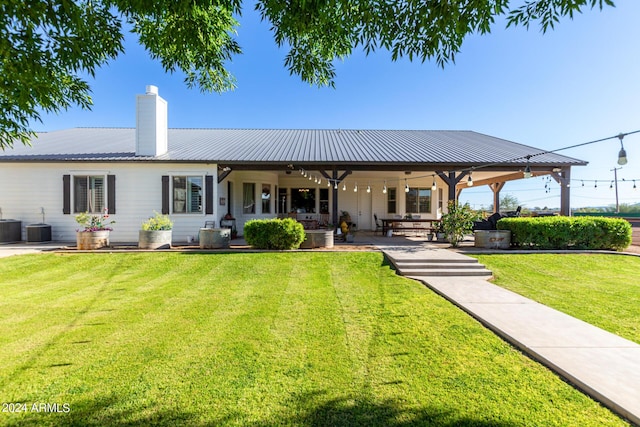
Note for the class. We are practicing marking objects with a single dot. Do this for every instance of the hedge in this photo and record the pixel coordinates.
(562, 232)
(284, 233)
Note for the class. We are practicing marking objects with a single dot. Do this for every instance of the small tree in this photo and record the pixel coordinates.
(458, 221)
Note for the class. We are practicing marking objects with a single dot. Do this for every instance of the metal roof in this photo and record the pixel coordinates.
(299, 147)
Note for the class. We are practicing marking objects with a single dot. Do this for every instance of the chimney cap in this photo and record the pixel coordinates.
(152, 90)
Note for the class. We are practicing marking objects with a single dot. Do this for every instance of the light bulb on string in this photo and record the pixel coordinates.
(355, 188)
(384, 189)
(596, 184)
(634, 184)
(335, 185)
(470, 181)
(433, 186)
(582, 183)
(611, 186)
(368, 189)
(406, 186)
(622, 154)
(328, 183)
(344, 187)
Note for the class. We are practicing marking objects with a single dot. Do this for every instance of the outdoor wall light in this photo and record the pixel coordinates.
(622, 155)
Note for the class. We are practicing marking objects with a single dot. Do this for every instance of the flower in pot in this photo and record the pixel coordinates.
(156, 232)
(94, 230)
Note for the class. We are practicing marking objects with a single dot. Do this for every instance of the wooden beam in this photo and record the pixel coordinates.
(224, 174)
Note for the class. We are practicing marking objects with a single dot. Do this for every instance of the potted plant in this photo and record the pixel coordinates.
(94, 231)
(457, 222)
(156, 232)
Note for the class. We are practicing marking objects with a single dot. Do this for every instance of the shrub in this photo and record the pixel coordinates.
(457, 222)
(157, 222)
(284, 233)
(563, 232)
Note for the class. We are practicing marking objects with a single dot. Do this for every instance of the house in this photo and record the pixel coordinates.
(198, 175)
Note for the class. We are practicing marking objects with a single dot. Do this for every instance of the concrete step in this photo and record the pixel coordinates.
(465, 260)
(401, 265)
(445, 272)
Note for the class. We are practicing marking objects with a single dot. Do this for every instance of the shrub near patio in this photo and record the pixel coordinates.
(563, 232)
(259, 339)
(285, 233)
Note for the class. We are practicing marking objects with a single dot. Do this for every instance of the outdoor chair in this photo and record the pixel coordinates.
(378, 224)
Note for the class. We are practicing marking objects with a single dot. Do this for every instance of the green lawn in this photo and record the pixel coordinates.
(269, 339)
(600, 289)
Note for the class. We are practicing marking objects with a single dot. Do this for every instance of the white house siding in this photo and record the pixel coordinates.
(25, 188)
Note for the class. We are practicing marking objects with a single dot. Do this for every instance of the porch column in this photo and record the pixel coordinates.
(563, 178)
(452, 180)
(335, 179)
(496, 187)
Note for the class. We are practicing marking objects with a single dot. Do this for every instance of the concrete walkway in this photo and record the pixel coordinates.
(601, 364)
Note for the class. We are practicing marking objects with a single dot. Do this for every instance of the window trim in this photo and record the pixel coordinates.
(171, 194)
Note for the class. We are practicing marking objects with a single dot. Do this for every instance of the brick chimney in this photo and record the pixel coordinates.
(151, 123)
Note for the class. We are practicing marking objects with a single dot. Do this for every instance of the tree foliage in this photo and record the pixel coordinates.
(48, 49)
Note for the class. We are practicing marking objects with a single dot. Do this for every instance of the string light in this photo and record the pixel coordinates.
(335, 185)
(355, 188)
(433, 186)
(634, 184)
(611, 186)
(368, 188)
(595, 185)
(406, 186)
(384, 189)
(622, 155)
(344, 187)
(470, 181)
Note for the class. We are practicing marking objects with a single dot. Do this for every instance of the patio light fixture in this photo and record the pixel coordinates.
(433, 186)
(406, 186)
(469, 181)
(622, 155)
(384, 189)
(527, 170)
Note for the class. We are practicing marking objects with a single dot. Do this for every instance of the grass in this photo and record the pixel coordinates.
(271, 339)
(600, 289)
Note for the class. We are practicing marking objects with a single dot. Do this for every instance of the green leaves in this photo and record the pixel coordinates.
(49, 48)
(549, 12)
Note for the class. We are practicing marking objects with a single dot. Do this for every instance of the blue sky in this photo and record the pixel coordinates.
(577, 83)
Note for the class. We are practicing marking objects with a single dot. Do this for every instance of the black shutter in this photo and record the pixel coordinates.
(208, 190)
(111, 193)
(66, 194)
(165, 194)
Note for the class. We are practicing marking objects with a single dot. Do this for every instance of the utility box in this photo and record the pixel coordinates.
(38, 233)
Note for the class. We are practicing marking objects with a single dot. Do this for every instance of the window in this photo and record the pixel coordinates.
(282, 200)
(187, 194)
(324, 200)
(418, 200)
(88, 194)
(391, 200)
(248, 198)
(266, 198)
(303, 200)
